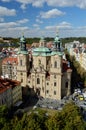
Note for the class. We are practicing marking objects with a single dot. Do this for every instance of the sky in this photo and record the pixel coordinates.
(37, 18)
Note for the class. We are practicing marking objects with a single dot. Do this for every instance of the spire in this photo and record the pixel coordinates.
(23, 43)
(57, 42)
(42, 42)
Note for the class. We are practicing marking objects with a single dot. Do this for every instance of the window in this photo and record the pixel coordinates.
(55, 76)
(38, 81)
(21, 80)
(43, 89)
(47, 91)
(66, 84)
(21, 62)
(47, 62)
(54, 92)
(47, 83)
(21, 73)
(54, 83)
(28, 81)
(39, 61)
(55, 64)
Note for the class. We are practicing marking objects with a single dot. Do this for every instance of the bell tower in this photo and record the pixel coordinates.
(23, 62)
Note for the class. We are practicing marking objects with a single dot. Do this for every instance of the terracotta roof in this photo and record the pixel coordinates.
(10, 60)
(7, 83)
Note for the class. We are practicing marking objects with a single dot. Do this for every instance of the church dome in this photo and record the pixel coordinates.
(43, 51)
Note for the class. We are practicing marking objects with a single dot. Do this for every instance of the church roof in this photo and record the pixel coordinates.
(22, 52)
(57, 53)
(43, 51)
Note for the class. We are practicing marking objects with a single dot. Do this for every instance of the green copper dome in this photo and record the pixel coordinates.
(43, 51)
(22, 49)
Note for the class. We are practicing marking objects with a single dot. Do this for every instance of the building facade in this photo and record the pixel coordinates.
(48, 75)
(10, 92)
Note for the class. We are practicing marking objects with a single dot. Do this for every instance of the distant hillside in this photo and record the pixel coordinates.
(15, 41)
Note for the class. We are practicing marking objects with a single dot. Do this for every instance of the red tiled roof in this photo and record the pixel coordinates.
(10, 60)
(7, 83)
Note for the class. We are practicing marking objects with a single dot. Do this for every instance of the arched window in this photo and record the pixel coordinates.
(55, 64)
(21, 80)
(21, 73)
(38, 81)
(54, 83)
(21, 62)
(66, 84)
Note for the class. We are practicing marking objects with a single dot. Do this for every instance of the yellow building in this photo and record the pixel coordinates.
(49, 76)
(43, 72)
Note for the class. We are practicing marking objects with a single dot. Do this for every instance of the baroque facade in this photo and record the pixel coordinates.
(44, 71)
(50, 74)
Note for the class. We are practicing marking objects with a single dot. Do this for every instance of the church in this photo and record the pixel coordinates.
(44, 72)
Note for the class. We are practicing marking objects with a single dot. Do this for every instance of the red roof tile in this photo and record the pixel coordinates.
(10, 60)
(7, 83)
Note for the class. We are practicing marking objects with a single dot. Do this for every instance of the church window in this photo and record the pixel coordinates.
(55, 64)
(39, 61)
(47, 91)
(38, 81)
(66, 84)
(54, 92)
(21, 62)
(21, 80)
(47, 83)
(43, 89)
(21, 73)
(54, 83)
(55, 76)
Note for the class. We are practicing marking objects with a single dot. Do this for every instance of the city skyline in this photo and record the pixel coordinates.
(36, 18)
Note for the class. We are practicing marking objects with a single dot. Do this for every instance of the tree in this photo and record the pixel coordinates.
(3, 115)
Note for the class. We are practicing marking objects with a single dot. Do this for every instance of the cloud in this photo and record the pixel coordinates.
(13, 32)
(7, 12)
(38, 3)
(51, 13)
(1, 19)
(39, 21)
(23, 21)
(13, 29)
(24, 3)
(64, 25)
(35, 25)
(5, 0)
(53, 3)
(13, 24)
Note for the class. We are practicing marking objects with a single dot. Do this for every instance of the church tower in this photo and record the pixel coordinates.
(23, 63)
(56, 68)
